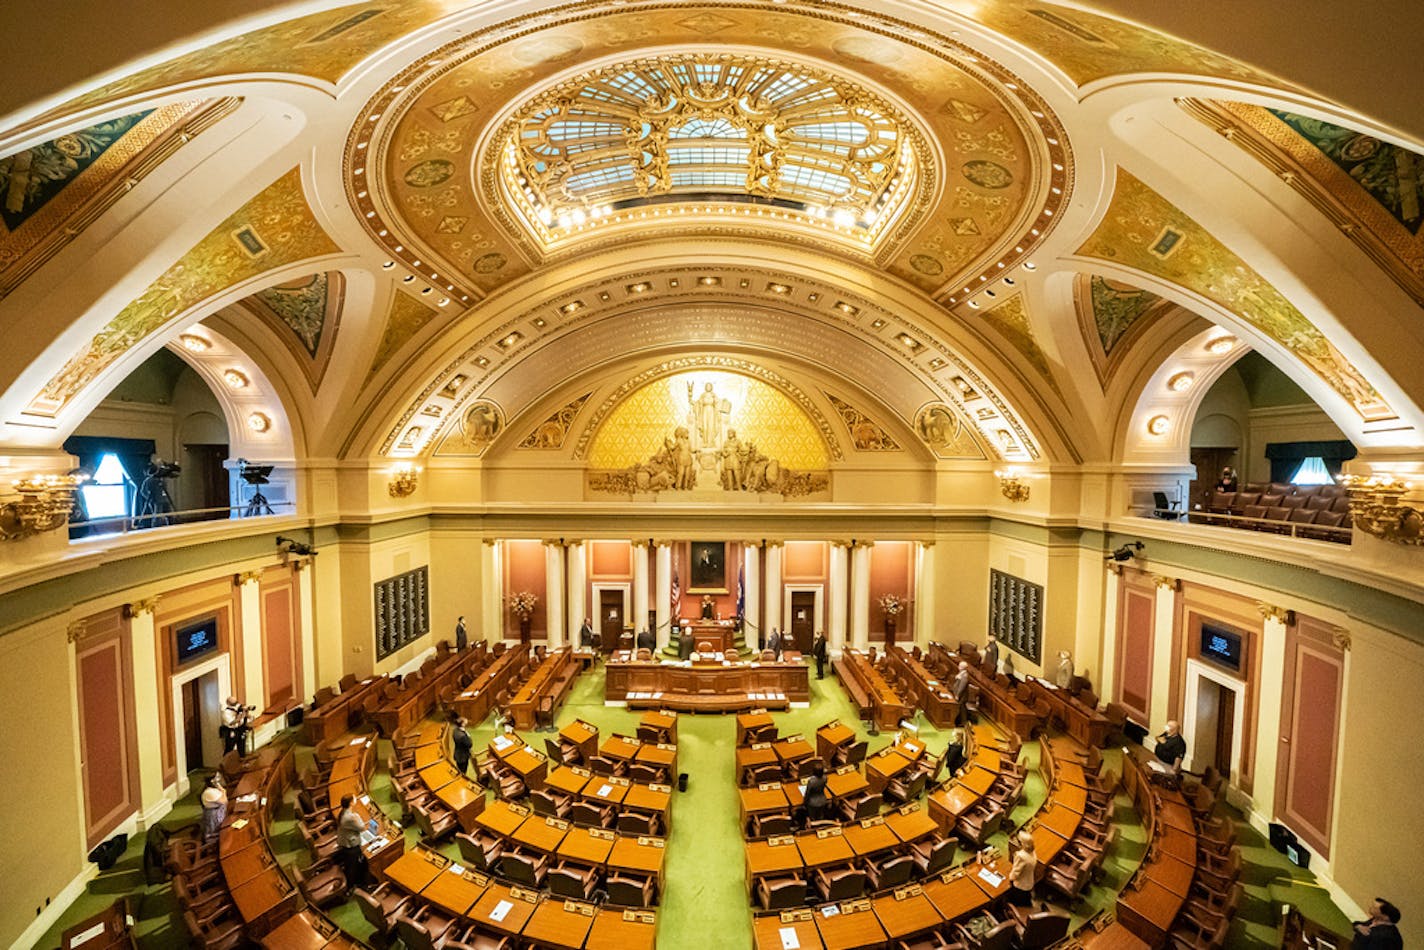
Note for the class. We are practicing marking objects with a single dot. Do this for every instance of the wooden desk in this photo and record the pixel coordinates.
(846, 782)
(1176, 876)
(502, 818)
(719, 686)
(542, 834)
(504, 908)
(456, 891)
(567, 779)
(761, 800)
(767, 930)
(531, 765)
(465, 800)
(721, 636)
(620, 748)
(607, 789)
(911, 822)
(881, 767)
(587, 845)
(650, 797)
(550, 682)
(869, 835)
(927, 691)
(629, 930)
(641, 855)
(906, 912)
(583, 736)
(751, 756)
(857, 674)
(1148, 909)
(823, 846)
(437, 776)
(955, 895)
(775, 855)
(561, 923)
(832, 737)
(111, 927)
(304, 930)
(1117, 937)
(662, 721)
(793, 749)
(414, 870)
(660, 755)
(853, 927)
(754, 723)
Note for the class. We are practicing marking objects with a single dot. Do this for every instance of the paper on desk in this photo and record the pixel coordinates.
(501, 910)
(830, 910)
(240, 824)
(456, 869)
(788, 938)
(990, 878)
(357, 741)
(603, 792)
(87, 935)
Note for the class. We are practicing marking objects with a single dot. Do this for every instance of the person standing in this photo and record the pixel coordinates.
(462, 638)
(1227, 482)
(959, 689)
(819, 650)
(773, 642)
(214, 800)
(1171, 748)
(464, 745)
(991, 655)
(1381, 931)
(954, 753)
(585, 637)
(814, 794)
(348, 844)
(235, 725)
(1022, 870)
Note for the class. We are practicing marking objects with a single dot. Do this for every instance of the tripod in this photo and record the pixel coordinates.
(258, 505)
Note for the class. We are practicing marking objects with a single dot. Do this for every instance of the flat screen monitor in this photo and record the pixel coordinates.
(1221, 646)
(195, 639)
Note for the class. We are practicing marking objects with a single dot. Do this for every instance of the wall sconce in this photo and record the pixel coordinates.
(404, 478)
(45, 503)
(1013, 487)
(1378, 508)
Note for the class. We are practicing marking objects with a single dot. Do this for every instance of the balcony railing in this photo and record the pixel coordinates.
(124, 524)
(1278, 525)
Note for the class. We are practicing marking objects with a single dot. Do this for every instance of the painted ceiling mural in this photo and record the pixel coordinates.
(51, 191)
(432, 120)
(305, 313)
(1011, 319)
(1373, 190)
(275, 228)
(406, 318)
(1143, 230)
(1111, 313)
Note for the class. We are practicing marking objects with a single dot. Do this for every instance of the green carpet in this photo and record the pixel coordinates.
(706, 900)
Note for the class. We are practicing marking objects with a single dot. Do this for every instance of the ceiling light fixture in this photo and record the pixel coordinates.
(194, 343)
(1158, 425)
(259, 422)
(1181, 382)
(235, 379)
(1221, 345)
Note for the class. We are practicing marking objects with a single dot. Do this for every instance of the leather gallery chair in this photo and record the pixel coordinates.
(223, 933)
(1069, 878)
(839, 884)
(435, 822)
(780, 893)
(900, 789)
(892, 872)
(595, 816)
(559, 752)
(852, 754)
(978, 823)
(322, 884)
(523, 867)
(572, 880)
(480, 849)
(1038, 929)
(549, 804)
(639, 823)
(933, 855)
(380, 907)
(864, 805)
(321, 846)
(630, 890)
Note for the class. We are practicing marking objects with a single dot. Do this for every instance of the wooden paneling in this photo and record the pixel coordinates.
(805, 562)
(217, 598)
(281, 635)
(1134, 650)
(1199, 603)
(611, 560)
(107, 746)
(1310, 720)
(892, 571)
(523, 563)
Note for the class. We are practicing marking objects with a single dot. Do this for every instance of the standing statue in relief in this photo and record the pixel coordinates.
(708, 414)
(731, 463)
(686, 472)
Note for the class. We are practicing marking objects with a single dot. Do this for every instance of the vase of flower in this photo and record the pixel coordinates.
(522, 606)
(890, 606)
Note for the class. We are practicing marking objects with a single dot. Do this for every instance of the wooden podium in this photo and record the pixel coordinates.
(722, 636)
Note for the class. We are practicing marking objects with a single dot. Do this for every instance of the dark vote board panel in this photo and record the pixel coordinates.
(1016, 613)
(402, 610)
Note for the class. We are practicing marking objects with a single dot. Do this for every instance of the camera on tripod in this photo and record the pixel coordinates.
(159, 468)
(254, 474)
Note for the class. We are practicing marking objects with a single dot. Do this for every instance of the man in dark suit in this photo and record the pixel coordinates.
(773, 642)
(819, 650)
(991, 655)
(1171, 748)
(462, 639)
(644, 640)
(959, 689)
(464, 745)
(1381, 931)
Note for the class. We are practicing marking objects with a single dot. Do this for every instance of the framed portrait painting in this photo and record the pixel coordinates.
(709, 567)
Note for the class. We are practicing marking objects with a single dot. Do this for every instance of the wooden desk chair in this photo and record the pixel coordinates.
(647, 733)
(222, 934)
(323, 695)
(776, 823)
(320, 846)
(1069, 875)
(933, 855)
(572, 880)
(423, 928)
(603, 765)
(549, 804)
(704, 647)
(804, 768)
(1038, 929)
(840, 884)
(852, 754)
(480, 849)
(780, 893)
(595, 816)
(322, 884)
(934, 940)
(639, 823)
(864, 805)
(630, 890)
(544, 714)
(380, 907)
(994, 935)
(978, 823)
(212, 899)
(891, 873)
(640, 772)
(434, 821)
(906, 789)
(524, 867)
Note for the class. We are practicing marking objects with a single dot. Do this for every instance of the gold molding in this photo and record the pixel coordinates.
(138, 608)
(76, 631)
(1279, 614)
(246, 577)
(1114, 568)
(1377, 508)
(1342, 640)
(1163, 582)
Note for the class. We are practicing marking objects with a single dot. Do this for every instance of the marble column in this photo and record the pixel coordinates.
(153, 804)
(836, 597)
(774, 593)
(554, 593)
(1107, 670)
(1164, 618)
(925, 595)
(751, 592)
(860, 594)
(640, 586)
(1270, 745)
(250, 628)
(491, 591)
(578, 588)
(662, 591)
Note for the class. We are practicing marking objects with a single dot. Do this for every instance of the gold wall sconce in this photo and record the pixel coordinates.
(404, 479)
(1012, 485)
(1377, 508)
(45, 503)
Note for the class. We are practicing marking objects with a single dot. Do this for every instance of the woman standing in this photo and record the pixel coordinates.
(1022, 871)
(214, 799)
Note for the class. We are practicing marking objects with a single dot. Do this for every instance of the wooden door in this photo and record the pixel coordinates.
(610, 618)
(212, 479)
(803, 620)
(1209, 462)
(192, 726)
(1225, 729)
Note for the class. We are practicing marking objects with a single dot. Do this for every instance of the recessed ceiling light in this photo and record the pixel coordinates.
(778, 288)
(641, 287)
(258, 422)
(1221, 345)
(194, 343)
(1181, 382)
(235, 379)
(573, 306)
(1158, 425)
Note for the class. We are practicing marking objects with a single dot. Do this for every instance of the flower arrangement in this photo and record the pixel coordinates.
(892, 604)
(523, 603)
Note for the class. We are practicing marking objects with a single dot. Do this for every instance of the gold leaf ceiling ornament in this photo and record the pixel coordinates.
(866, 434)
(1144, 231)
(551, 433)
(272, 230)
(407, 316)
(710, 127)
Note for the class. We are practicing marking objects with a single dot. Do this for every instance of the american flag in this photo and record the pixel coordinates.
(676, 591)
(741, 592)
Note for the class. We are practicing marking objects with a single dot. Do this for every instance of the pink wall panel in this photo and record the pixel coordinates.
(690, 605)
(524, 570)
(611, 560)
(804, 561)
(278, 623)
(1135, 662)
(892, 565)
(104, 738)
(1314, 728)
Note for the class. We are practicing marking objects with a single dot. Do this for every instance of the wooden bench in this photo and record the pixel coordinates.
(702, 702)
(858, 696)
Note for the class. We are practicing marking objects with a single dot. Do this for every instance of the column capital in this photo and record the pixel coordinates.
(552, 542)
(1278, 614)
(491, 542)
(925, 544)
(664, 542)
(750, 544)
(138, 608)
(639, 542)
(862, 544)
(76, 631)
(246, 577)
(775, 543)
(841, 543)
(1164, 582)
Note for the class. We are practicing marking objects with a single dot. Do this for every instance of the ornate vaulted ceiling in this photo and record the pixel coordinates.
(973, 231)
